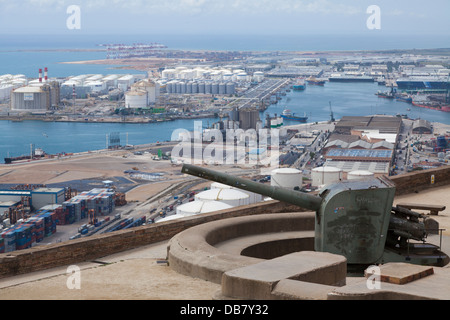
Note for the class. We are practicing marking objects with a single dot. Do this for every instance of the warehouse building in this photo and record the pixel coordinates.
(42, 197)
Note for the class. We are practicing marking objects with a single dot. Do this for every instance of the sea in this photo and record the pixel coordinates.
(26, 54)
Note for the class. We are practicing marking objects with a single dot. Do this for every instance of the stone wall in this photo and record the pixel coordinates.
(421, 180)
(97, 246)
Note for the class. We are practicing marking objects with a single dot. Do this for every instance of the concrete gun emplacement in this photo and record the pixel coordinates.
(355, 219)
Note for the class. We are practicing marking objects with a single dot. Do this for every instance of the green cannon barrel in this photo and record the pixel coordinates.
(298, 198)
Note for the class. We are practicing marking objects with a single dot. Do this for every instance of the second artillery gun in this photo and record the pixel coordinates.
(355, 219)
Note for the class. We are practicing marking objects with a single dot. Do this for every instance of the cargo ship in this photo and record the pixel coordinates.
(299, 85)
(316, 82)
(432, 105)
(403, 97)
(288, 115)
(423, 102)
(385, 94)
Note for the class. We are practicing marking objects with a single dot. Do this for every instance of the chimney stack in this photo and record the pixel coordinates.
(40, 75)
(46, 75)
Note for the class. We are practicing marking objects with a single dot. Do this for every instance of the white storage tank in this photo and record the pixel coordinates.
(198, 207)
(286, 178)
(325, 175)
(232, 197)
(359, 175)
(253, 197)
(136, 99)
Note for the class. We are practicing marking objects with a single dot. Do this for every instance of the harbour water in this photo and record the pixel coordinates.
(347, 99)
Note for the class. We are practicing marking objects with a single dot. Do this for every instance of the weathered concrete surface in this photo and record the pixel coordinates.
(258, 281)
(197, 251)
(431, 287)
(401, 273)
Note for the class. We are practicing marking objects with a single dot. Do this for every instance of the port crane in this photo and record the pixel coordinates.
(332, 119)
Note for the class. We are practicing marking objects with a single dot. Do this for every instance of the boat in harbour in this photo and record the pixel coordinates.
(299, 85)
(403, 97)
(316, 82)
(288, 115)
(423, 102)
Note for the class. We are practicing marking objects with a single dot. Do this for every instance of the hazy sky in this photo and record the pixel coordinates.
(225, 16)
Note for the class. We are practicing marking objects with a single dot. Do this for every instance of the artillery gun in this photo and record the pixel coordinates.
(355, 219)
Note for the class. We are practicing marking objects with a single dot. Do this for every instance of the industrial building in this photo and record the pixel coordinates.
(36, 98)
(248, 118)
(363, 144)
(384, 124)
(142, 94)
(422, 126)
(42, 197)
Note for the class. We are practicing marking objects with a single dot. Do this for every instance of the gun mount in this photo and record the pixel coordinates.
(355, 219)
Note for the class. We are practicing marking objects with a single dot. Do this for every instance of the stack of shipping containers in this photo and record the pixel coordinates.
(43, 223)
(99, 200)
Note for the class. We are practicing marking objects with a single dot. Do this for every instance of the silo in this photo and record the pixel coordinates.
(179, 84)
(189, 87)
(183, 87)
(215, 88)
(169, 87)
(232, 197)
(289, 178)
(195, 87)
(201, 87)
(231, 88)
(325, 175)
(222, 88)
(359, 175)
(208, 88)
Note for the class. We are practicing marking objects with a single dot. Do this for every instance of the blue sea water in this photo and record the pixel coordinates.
(25, 55)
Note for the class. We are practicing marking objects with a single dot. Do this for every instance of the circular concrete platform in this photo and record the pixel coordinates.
(207, 251)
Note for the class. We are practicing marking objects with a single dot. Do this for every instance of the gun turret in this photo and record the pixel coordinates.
(353, 218)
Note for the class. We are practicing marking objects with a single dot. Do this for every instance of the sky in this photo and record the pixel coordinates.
(257, 17)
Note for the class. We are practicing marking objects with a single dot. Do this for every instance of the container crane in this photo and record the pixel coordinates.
(332, 119)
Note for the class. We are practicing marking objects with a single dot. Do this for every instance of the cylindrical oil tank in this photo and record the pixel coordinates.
(232, 197)
(359, 175)
(325, 175)
(289, 178)
(253, 197)
(198, 207)
(136, 99)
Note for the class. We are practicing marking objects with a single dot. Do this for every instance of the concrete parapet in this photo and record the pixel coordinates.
(202, 252)
(258, 281)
